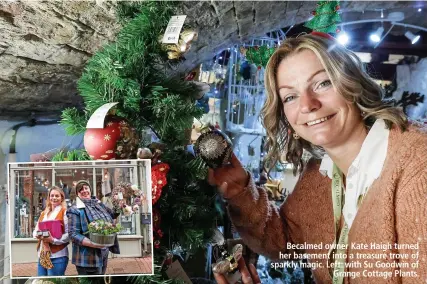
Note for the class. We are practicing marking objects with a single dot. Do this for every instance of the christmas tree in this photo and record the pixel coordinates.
(326, 17)
(132, 72)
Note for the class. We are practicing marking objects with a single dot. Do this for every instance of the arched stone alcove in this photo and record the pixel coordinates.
(45, 44)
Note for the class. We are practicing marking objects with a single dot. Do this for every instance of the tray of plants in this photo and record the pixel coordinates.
(103, 233)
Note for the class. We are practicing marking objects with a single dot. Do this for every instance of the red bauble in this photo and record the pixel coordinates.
(313, 13)
(337, 7)
(158, 180)
(117, 140)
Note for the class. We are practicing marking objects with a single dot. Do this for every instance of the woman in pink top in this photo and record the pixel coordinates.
(53, 252)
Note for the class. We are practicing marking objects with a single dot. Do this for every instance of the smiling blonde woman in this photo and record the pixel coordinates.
(52, 252)
(366, 183)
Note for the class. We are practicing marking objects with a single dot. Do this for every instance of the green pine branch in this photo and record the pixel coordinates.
(139, 40)
(118, 71)
(181, 87)
(198, 168)
(73, 121)
(103, 82)
(171, 114)
(73, 155)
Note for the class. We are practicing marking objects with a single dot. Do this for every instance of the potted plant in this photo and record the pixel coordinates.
(103, 233)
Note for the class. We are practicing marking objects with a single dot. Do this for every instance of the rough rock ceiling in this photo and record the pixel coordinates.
(45, 44)
(43, 49)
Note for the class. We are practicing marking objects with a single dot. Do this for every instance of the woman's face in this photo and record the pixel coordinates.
(84, 193)
(312, 106)
(55, 198)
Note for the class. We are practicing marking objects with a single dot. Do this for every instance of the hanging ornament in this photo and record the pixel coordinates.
(214, 147)
(157, 150)
(258, 55)
(117, 140)
(226, 262)
(326, 17)
(176, 51)
(188, 35)
(158, 180)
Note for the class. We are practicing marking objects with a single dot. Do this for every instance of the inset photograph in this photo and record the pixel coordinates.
(80, 218)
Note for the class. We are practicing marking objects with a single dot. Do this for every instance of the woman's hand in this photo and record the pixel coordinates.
(88, 243)
(48, 239)
(230, 179)
(99, 246)
(249, 276)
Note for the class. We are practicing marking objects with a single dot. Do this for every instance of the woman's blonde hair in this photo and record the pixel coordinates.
(49, 208)
(349, 78)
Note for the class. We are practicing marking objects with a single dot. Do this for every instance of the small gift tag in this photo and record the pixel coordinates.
(173, 29)
(120, 195)
(175, 271)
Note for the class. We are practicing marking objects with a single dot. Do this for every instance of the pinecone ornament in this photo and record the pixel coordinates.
(214, 147)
